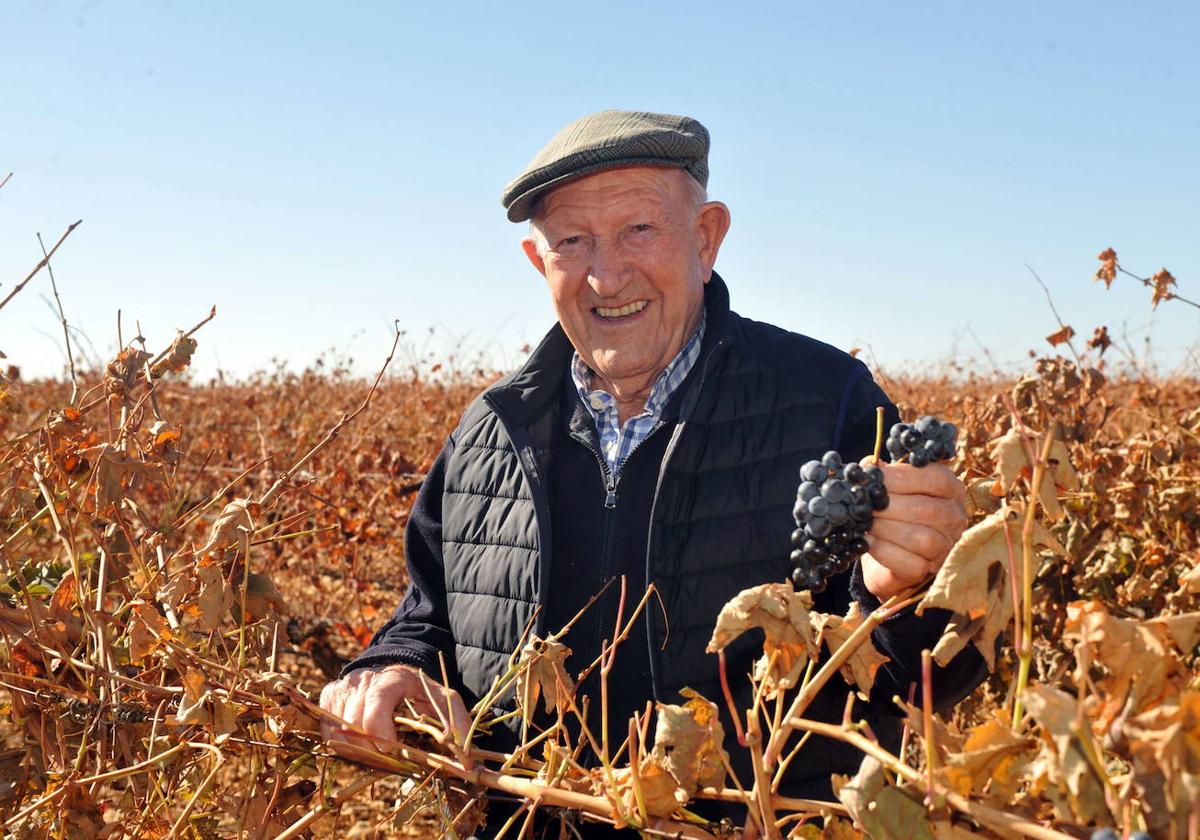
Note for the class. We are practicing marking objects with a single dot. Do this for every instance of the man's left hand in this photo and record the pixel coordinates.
(913, 535)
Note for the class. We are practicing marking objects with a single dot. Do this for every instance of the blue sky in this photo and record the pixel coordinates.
(316, 172)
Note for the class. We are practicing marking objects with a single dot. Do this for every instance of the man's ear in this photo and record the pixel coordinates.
(530, 246)
(712, 223)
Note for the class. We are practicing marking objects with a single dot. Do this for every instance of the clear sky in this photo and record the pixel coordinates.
(316, 170)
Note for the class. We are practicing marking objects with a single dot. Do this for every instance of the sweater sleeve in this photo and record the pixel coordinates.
(420, 627)
(902, 637)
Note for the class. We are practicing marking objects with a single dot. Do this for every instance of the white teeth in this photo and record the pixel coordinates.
(627, 309)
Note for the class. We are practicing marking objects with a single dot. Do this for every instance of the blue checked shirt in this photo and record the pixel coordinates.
(616, 441)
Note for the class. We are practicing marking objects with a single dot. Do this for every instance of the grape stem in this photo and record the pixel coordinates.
(878, 434)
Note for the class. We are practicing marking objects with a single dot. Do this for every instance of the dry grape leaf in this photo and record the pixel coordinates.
(67, 624)
(225, 720)
(861, 667)
(1100, 340)
(688, 743)
(983, 496)
(1167, 736)
(179, 357)
(216, 598)
(112, 474)
(193, 705)
(236, 522)
(974, 584)
(543, 673)
(1162, 282)
(782, 614)
(1059, 336)
(1108, 267)
(1143, 666)
(661, 796)
(991, 752)
(1012, 461)
(147, 630)
(1063, 759)
(882, 811)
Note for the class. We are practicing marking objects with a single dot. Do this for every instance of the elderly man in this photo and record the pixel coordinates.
(653, 434)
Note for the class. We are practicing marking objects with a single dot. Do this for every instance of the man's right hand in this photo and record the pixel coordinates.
(368, 698)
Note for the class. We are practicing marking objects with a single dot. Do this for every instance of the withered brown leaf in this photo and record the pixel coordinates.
(1108, 267)
(1012, 454)
(782, 614)
(865, 661)
(543, 673)
(974, 584)
(1061, 335)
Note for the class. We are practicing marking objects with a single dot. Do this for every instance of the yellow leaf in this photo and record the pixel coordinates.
(1012, 454)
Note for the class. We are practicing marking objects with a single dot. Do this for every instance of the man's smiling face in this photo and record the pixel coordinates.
(626, 254)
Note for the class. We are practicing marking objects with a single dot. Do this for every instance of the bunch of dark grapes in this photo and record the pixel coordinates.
(835, 507)
(926, 441)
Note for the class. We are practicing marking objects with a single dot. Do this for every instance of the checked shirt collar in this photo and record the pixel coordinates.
(616, 441)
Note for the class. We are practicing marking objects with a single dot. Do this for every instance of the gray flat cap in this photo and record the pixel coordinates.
(608, 140)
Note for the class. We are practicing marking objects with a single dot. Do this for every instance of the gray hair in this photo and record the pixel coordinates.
(697, 197)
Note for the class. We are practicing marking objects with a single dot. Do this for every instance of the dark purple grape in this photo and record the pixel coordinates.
(854, 472)
(862, 512)
(813, 471)
(819, 506)
(835, 490)
(928, 425)
(818, 526)
(911, 439)
(832, 460)
(800, 510)
(857, 494)
(837, 513)
(814, 552)
(800, 578)
(797, 557)
(859, 547)
(809, 490)
(918, 458)
(1109, 834)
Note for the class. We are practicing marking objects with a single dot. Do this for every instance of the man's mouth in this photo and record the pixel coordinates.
(621, 311)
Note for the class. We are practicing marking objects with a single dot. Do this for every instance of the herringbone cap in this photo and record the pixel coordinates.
(607, 140)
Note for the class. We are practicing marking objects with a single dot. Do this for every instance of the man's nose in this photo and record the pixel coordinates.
(610, 271)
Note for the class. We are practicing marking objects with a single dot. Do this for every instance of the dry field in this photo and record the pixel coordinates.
(185, 564)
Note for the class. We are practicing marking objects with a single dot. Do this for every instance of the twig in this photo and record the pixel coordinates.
(286, 475)
(1067, 331)
(44, 262)
(62, 317)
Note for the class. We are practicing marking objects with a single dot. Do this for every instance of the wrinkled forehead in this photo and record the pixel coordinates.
(659, 189)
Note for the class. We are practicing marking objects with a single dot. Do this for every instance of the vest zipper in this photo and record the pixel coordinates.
(676, 433)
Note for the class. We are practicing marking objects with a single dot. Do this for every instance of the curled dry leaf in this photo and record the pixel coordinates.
(1108, 267)
(1061, 335)
(782, 614)
(1143, 660)
(1012, 454)
(147, 630)
(688, 743)
(193, 705)
(974, 583)
(236, 523)
(1062, 763)
(178, 358)
(865, 661)
(991, 753)
(543, 673)
(216, 597)
(883, 811)
(660, 794)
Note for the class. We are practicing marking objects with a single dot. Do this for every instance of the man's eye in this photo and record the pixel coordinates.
(642, 228)
(568, 241)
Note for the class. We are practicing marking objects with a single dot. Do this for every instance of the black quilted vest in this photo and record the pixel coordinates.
(761, 402)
